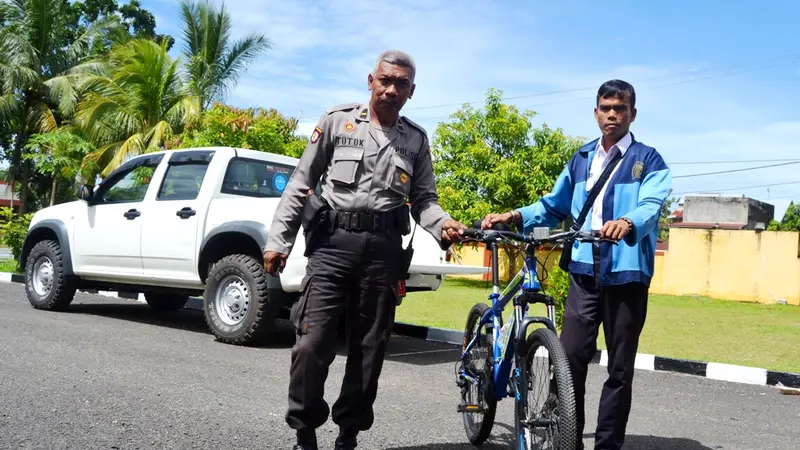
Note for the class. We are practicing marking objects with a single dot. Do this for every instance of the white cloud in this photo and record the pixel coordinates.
(322, 52)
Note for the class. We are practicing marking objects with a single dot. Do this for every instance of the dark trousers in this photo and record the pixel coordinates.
(352, 272)
(622, 311)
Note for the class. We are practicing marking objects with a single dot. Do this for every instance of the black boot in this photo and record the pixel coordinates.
(306, 440)
(346, 441)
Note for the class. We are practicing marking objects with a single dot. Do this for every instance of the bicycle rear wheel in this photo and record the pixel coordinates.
(548, 422)
(477, 400)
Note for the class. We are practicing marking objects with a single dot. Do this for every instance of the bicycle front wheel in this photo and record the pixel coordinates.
(545, 414)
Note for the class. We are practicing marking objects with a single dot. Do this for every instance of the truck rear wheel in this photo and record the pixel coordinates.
(236, 302)
(46, 285)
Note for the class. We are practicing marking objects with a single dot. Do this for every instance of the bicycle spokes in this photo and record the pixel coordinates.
(541, 410)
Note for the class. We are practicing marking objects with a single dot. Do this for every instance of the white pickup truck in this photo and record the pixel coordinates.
(181, 223)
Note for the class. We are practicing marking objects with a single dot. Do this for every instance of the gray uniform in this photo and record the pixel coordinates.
(361, 167)
(363, 171)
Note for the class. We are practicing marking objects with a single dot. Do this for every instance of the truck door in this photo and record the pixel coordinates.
(108, 230)
(169, 232)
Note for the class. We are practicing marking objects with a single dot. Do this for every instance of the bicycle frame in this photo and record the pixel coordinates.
(519, 290)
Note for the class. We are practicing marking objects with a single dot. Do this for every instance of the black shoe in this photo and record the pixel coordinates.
(345, 442)
(306, 440)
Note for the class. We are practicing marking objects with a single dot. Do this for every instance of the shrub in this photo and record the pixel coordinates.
(15, 228)
(557, 285)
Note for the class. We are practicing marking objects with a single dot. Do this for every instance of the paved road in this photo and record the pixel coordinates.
(111, 374)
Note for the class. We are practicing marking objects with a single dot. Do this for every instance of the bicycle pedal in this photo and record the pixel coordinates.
(470, 408)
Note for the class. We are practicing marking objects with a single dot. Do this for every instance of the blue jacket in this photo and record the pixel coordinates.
(636, 190)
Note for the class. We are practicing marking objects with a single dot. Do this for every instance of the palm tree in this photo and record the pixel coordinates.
(134, 105)
(37, 71)
(213, 63)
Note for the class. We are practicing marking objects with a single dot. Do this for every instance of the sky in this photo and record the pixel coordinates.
(714, 79)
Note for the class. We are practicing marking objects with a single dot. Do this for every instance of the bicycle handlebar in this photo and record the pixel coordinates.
(540, 235)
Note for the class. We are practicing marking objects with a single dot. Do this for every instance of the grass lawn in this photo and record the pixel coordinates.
(766, 336)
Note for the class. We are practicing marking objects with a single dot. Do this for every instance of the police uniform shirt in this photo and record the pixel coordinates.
(364, 167)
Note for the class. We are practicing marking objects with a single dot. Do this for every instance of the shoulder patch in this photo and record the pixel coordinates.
(342, 107)
(415, 125)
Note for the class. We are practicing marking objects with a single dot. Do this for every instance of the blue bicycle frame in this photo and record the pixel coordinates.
(503, 349)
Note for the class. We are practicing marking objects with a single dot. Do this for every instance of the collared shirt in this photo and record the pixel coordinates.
(599, 162)
(361, 166)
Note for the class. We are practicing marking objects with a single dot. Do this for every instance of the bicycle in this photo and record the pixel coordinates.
(497, 381)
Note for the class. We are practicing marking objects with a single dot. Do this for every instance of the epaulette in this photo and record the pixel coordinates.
(415, 125)
(342, 107)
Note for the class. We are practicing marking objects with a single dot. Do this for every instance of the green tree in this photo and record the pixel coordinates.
(213, 61)
(258, 129)
(790, 221)
(135, 21)
(59, 154)
(38, 54)
(493, 160)
(134, 105)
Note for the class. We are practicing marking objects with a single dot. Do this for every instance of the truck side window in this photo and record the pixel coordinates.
(254, 178)
(182, 181)
(131, 187)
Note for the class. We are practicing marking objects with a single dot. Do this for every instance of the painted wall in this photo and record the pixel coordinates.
(741, 265)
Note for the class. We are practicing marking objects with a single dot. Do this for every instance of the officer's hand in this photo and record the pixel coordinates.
(615, 229)
(451, 230)
(490, 220)
(274, 262)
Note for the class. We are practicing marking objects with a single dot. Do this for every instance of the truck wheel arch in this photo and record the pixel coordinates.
(241, 236)
(48, 229)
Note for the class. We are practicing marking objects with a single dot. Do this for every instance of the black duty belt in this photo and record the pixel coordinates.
(364, 221)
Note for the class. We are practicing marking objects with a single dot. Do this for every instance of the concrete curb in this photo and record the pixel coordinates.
(644, 361)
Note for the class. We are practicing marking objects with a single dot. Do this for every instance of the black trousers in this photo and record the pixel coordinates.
(622, 311)
(356, 273)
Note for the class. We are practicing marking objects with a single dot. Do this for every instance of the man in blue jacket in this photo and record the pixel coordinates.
(608, 283)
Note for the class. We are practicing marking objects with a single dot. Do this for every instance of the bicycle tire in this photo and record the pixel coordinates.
(567, 434)
(479, 433)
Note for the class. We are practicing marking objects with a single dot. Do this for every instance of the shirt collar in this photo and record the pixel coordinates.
(623, 144)
(363, 116)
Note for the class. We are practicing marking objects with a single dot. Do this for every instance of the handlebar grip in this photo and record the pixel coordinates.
(471, 232)
(496, 227)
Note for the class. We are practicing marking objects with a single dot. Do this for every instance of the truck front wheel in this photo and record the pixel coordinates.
(46, 285)
(236, 303)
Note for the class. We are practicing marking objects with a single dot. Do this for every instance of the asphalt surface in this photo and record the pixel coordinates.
(111, 374)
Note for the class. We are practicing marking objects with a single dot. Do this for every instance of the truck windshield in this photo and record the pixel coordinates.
(256, 178)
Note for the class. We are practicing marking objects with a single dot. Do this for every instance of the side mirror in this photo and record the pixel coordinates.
(85, 192)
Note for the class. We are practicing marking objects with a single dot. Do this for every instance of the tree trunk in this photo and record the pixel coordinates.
(23, 197)
(53, 191)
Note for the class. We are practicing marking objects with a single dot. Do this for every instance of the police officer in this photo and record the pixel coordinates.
(370, 161)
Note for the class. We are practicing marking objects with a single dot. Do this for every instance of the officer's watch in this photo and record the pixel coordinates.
(629, 221)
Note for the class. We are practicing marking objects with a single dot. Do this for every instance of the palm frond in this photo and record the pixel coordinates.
(243, 52)
(61, 91)
(82, 45)
(157, 135)
(41, 118)
(9, 107)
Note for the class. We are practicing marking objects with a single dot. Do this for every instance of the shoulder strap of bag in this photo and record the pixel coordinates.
(596, 190)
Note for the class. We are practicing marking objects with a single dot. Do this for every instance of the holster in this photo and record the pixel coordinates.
(315, 220)
(407, 253)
